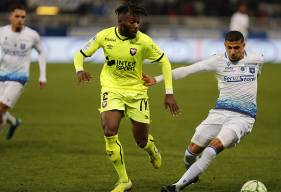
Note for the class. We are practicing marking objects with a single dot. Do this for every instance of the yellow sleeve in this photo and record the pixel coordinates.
(167, 74)
(87, 51)
(79, 61)
(155, 54)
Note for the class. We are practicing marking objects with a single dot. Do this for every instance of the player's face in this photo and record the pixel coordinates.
(128, 24)
(17, 19)
(234, 50)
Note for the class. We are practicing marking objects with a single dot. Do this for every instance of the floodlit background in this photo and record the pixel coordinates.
(60, 147)
(187, 30)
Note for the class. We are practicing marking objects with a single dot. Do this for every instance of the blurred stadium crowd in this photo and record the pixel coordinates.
(257, 8)
(167, 18)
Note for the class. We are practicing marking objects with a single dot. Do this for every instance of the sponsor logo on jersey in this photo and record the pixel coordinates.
(125, 65)
(15, 52)
(133, 51)
(239, 78)
(228, 63)
(109, 39)
(228, 69)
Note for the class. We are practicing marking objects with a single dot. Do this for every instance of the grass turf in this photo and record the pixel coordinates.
(60, 147)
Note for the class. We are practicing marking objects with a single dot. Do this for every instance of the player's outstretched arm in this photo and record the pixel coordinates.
(181, 72)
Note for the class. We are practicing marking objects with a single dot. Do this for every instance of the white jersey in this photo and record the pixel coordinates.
(15, 54)
(240, 22)
(237, 82)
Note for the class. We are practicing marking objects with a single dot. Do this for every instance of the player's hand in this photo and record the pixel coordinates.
(171, 104)
(148, 80)
(83, 76)
(42, 85)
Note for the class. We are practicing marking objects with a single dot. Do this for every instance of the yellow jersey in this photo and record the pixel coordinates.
(124, 57)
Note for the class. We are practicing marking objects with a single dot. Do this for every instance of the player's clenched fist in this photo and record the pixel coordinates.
(83, 76)
(148, 80)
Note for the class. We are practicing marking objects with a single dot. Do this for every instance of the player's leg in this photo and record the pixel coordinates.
(2, 105)
(112, 111)
(114, 150)
(192, 174)
(233, 130)
(204, 134)
(11, 93)
(3, 117)
(137, 109)
(146, 142)
(12, 120)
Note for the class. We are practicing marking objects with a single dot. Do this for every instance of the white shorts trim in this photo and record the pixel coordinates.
(10, 92)
(219, 120)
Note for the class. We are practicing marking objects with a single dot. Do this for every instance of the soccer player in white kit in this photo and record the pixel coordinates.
(234, 113)
(16, 44)
(240, 20)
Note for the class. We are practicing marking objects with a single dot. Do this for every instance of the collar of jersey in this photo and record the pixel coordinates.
(121, 37)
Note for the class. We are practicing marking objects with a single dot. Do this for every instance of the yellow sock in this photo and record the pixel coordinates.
(154, 155)
(149, 147)
(115, 154)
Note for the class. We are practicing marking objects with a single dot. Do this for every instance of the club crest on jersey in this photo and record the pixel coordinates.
(22, 46)
(133, 51)
(252, 70)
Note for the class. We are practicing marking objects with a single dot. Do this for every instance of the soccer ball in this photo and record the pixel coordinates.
(253, 186)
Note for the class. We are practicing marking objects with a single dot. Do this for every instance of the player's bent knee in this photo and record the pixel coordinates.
(3, 108)
(195, 149)
(109, 130)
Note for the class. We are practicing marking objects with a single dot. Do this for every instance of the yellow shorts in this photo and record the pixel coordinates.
(134, 105)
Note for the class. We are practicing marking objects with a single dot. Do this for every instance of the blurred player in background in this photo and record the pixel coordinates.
(240, 20)
(123, 92)
(234, 114)
(16, 44)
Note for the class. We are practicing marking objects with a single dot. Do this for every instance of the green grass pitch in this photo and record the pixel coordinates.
(60, 145)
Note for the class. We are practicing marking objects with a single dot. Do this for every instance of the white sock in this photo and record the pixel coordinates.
(189, 158)
(198, 167)
(11, 119)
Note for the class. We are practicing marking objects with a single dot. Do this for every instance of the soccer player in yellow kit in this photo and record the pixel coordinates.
(123, 92)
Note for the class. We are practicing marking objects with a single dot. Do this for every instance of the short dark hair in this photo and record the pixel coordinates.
(130, 6)
(16, 6)
(234, 36)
